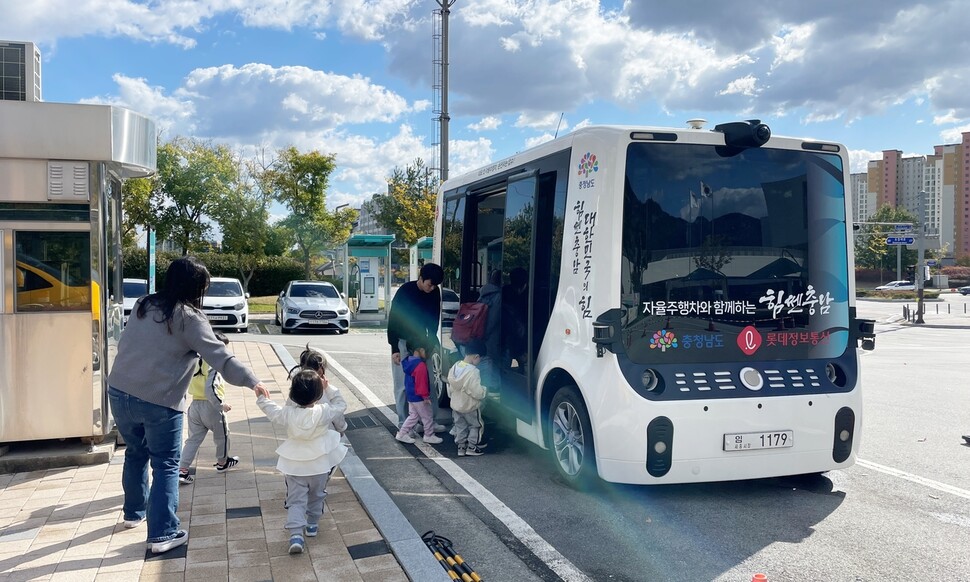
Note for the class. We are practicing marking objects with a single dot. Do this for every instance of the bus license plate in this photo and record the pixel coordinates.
(218, 317)
(749, 441)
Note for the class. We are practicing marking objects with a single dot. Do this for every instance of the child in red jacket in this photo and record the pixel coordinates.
(418, 392)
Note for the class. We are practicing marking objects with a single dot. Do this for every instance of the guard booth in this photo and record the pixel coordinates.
(372, 287)
(61, 171)
(420, 254)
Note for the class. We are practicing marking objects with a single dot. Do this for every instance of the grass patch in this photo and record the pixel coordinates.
(264, 304)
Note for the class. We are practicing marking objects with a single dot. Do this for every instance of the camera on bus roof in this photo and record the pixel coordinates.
(744, 134)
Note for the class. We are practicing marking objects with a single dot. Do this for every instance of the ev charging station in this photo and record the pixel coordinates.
(367, 273)
(373, 254)
(421, 253)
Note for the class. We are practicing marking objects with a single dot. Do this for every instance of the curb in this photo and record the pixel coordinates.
(415, 558)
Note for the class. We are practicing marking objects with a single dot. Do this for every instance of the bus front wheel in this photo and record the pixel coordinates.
(571, 436)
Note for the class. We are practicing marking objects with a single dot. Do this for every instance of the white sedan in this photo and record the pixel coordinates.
(311, 305)
(897, 286)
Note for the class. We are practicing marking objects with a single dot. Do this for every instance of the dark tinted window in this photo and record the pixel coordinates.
(134, 289)
(302, 290)
(224, 289)
(728, 257)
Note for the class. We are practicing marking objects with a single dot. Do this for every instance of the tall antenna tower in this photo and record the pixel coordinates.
(439, 36)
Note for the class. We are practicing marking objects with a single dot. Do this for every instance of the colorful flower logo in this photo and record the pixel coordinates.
(588, 165)
(663, 339)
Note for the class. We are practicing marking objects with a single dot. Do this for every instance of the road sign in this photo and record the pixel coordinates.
(900, 240)
(930, 262)
(903, 227)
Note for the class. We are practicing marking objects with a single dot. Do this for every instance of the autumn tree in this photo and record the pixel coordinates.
(407, 210)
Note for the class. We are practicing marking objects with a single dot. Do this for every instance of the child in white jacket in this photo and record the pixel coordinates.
(310, 452)
(466, 392)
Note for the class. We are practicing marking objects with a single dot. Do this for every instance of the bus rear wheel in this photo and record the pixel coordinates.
(571, 437)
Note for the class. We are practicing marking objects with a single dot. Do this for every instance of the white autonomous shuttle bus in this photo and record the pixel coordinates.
(678, 305)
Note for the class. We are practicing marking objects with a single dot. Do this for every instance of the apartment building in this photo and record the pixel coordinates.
(863, 201)
(945, 178)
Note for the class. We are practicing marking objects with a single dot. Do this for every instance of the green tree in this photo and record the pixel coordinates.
(299, 181)
(142, 202)
(242, 216)
(318, 231)
(871, 250)
(194, 177)
(279, 239)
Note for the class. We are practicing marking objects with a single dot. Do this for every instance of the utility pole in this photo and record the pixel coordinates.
(920, 248)
(440, 84)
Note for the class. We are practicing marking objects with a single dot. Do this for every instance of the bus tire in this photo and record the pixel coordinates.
(571, 437)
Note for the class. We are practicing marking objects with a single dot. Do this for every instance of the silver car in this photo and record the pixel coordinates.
(311, 305)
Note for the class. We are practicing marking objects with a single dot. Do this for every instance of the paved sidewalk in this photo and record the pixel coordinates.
(66, 523)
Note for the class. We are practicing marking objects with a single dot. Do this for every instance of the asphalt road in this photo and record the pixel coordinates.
(901, 513)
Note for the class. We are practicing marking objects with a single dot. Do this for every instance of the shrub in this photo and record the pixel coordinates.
(271, 275)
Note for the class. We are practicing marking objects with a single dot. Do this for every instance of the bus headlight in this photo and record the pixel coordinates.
(650, 380)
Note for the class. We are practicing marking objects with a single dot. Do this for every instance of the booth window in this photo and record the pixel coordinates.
(53, 271)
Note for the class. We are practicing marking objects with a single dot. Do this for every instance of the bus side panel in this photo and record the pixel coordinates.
(590, 252)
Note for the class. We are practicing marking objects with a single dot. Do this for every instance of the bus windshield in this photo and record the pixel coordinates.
(733, 257)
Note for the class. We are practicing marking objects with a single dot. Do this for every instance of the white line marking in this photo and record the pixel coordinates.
(518, 526)
(915, 479)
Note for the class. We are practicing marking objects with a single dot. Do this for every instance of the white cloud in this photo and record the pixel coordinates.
(859, 160)
(486, 124)
(747, 85)
(466, 155)
(946, 118)
(954, 134)
(792, 43)
(172, 115)
(538, 140)
(256, 98)
(539, 121)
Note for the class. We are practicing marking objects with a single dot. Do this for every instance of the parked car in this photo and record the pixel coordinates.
(226, 305)
(312, 305)
(131, 290)
(897, 286)
(449, 307)
(964, 290)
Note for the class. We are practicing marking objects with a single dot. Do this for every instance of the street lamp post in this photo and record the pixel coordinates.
(920, 246)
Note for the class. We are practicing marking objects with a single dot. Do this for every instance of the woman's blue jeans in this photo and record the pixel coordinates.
(153, 434)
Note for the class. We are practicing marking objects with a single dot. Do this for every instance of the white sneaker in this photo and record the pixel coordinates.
(440, 427)
(404, 438)
(133, 523)
(433, 439)
(161, 547)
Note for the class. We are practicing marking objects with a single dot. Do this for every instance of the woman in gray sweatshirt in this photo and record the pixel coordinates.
(157, 353)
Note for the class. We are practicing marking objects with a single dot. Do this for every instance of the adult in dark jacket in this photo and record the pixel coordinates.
(413, 320)
(491, 294)
(515, 314)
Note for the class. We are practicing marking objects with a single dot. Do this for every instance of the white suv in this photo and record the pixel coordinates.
(225, 304)
(131, 290)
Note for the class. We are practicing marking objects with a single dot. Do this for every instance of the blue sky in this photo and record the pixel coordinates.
(353, 77)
